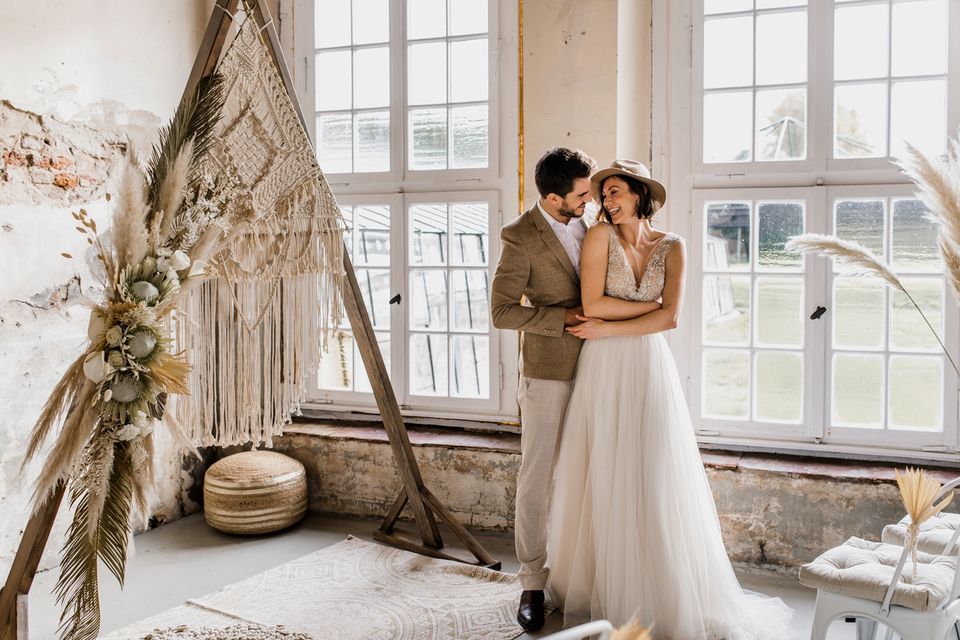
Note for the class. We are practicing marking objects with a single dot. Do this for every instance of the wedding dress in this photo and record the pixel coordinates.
(633, 526)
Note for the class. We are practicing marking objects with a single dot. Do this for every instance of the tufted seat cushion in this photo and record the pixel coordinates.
(934, 535)
(864, 569)
(254, 492)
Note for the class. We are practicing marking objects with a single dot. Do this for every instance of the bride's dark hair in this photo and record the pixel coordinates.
(646, 206)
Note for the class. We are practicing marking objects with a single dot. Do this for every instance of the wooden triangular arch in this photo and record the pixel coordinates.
(422, 503)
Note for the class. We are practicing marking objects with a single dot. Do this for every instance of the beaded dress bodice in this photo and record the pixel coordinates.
(621, 283)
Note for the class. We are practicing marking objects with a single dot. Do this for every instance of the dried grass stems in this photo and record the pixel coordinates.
(857, 260)
(919, 493)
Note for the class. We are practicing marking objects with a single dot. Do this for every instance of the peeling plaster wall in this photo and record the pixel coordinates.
(776, 519)
(79, 81)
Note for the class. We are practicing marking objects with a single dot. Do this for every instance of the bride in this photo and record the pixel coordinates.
(633, 527)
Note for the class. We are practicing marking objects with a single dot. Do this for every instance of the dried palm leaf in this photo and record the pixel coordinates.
(195, 119)
(919, 493)
(77, 588)
(857, 260)
(129, 216)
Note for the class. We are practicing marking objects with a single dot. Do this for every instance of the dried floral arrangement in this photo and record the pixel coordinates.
(166, 224)
(938, 184)
(919, 494)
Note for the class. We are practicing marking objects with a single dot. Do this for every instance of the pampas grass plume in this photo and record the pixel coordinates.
(129, 215)
(856, 259)
(171, 191)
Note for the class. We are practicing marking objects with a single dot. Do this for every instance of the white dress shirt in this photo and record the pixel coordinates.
(570, 235)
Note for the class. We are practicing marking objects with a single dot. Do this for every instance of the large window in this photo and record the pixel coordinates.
(798, 111)
(405, 98)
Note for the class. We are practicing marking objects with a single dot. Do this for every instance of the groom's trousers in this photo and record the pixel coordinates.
(543, 404)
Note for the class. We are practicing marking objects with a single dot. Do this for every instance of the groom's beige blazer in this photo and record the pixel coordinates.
(534, 265)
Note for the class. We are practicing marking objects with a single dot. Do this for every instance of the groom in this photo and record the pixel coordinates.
(540, 261)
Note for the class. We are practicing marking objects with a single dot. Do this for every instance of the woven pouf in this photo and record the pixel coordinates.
(254, 492)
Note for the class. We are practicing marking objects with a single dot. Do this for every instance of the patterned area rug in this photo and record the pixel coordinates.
(356, 589)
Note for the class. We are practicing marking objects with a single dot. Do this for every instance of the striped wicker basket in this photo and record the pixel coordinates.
(254, 492)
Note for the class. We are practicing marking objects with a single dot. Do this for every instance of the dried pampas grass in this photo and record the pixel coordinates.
(919, 492)
(171, 191)
(857, 260)
(938, 183)
(130, 239)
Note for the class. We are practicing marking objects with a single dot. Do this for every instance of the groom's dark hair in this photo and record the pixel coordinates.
(559, 167)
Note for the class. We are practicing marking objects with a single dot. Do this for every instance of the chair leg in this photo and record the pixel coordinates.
(866, 629)
(822, 617)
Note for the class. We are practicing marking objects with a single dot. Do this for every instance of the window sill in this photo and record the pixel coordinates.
(720, 460)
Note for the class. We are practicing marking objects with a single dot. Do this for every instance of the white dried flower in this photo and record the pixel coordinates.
(144, 291)
(97, 324)
(128, 432)
(95, 367)
(114, 335)
(116, 360)
(142, 343)
(178, 261)
(149, 265)
(198, 269)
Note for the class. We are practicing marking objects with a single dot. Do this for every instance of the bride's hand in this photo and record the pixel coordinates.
(589, 328)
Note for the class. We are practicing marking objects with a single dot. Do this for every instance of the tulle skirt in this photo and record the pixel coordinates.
(633, 526)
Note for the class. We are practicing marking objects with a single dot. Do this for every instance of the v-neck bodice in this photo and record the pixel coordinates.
(622, 282)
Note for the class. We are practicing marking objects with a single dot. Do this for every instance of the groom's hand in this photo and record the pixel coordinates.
(590, 328)
(573, 316)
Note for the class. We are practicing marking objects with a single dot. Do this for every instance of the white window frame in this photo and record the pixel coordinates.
(677, 156)
(497, 184)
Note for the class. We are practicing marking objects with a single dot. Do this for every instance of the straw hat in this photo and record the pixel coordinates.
(633, 169)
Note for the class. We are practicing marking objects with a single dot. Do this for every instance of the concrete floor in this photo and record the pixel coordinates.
(187, 559)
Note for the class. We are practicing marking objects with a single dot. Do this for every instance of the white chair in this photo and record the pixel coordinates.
(865, 580)
(583, 631)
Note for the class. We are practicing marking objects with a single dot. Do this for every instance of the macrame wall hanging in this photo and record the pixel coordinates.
(248, 329)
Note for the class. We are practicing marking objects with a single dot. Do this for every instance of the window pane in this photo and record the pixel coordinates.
(428, 364)
(726, 6)
(371, 78)
(779, 311)
(428, 133)
(779, 383)
(471, 366)
(469, 60)
(918, 116)
(777, 222)
(727, 126)
(470, 132)
(470, 294)
(333, 80)
(907, 327)
(782, 47)
(426, 19)
(428, 239)
(860, 121)
(371, 21)
(373, 141)
(726, 310)
(332, 23)
(375, 289)
(915, 396)
(362, 382)
(336, 364)
(373, 236)
(782, 124)
(859, 307)
(726, 383)
(861, 221)
(335, 143)
(427, 73)
(728, 52)
(914, 242)
(428, 291)
(860, 42)
(858, 390)
(346, 211)
(468, 17)
(471, 223)
(774, 4)
(727, 243)
(913, 23)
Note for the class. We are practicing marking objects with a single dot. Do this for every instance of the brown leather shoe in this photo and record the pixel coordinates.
(530, 613)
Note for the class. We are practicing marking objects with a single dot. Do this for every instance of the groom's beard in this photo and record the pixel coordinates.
(569, 212)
